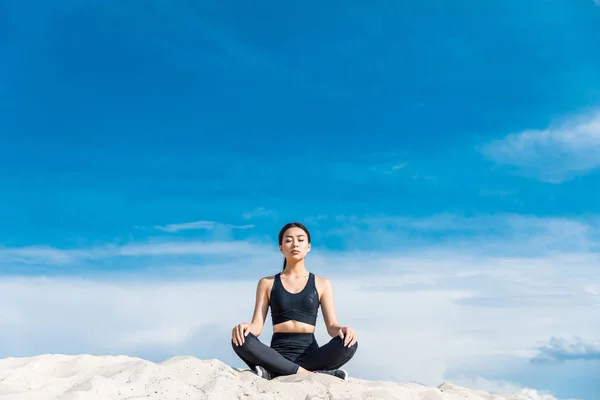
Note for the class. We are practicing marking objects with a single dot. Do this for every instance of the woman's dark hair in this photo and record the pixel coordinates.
(288, 226)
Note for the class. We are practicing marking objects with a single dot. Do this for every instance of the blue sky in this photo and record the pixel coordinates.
(173, 139)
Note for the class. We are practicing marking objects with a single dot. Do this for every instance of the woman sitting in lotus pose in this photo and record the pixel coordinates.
(294, 296)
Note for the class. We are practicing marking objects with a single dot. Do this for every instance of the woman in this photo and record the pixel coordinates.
(294, 296)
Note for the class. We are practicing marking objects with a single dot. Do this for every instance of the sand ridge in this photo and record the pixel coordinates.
(87, 377)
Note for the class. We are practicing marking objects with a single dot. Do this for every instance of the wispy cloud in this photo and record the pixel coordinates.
(514, 234)
(209, 225)
(40, 255)
(172, 23)
(257, 212)
(522, 234)
(560, 349)
(509, 196)
(387, 163)
(182, 248)
(388, 168)
(501, 193)
(59, 257)
(558, 153)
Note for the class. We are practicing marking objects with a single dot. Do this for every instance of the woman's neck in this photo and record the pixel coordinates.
(295, 269)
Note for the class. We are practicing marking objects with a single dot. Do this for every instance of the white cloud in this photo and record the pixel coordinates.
(208, 225)
(502, 387)
(421, 312)
(409, 314)
(592, 289)
(113, 317)
(560, 349)
(535, 395)
(558, 153)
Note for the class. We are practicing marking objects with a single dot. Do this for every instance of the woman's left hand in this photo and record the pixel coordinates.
(348, 335)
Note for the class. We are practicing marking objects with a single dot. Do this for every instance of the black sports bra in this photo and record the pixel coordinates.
(302, 306)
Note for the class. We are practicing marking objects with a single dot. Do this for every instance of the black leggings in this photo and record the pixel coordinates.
(289, 351)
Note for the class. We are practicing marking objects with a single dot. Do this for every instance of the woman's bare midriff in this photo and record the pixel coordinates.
(293, 327)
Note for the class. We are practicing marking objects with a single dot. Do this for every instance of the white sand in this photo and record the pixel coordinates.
(85, 377)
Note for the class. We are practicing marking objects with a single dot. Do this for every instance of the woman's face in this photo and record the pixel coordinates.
(294, 244)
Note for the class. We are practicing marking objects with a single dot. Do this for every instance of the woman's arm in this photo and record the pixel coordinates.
(331, 322)
(261, 306)
(327, 304)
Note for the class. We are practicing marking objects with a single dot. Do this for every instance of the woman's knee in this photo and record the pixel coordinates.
(244, 346)
(236, 348)
(340, 342)
(347, 351)
(352, 349)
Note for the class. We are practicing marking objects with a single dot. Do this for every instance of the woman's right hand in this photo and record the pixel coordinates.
(239, 332)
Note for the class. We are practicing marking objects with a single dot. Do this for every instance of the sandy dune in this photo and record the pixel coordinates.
(86, 377)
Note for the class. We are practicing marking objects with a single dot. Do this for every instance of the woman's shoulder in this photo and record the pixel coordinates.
(322, 282)
(321, 278)
(266, 281)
